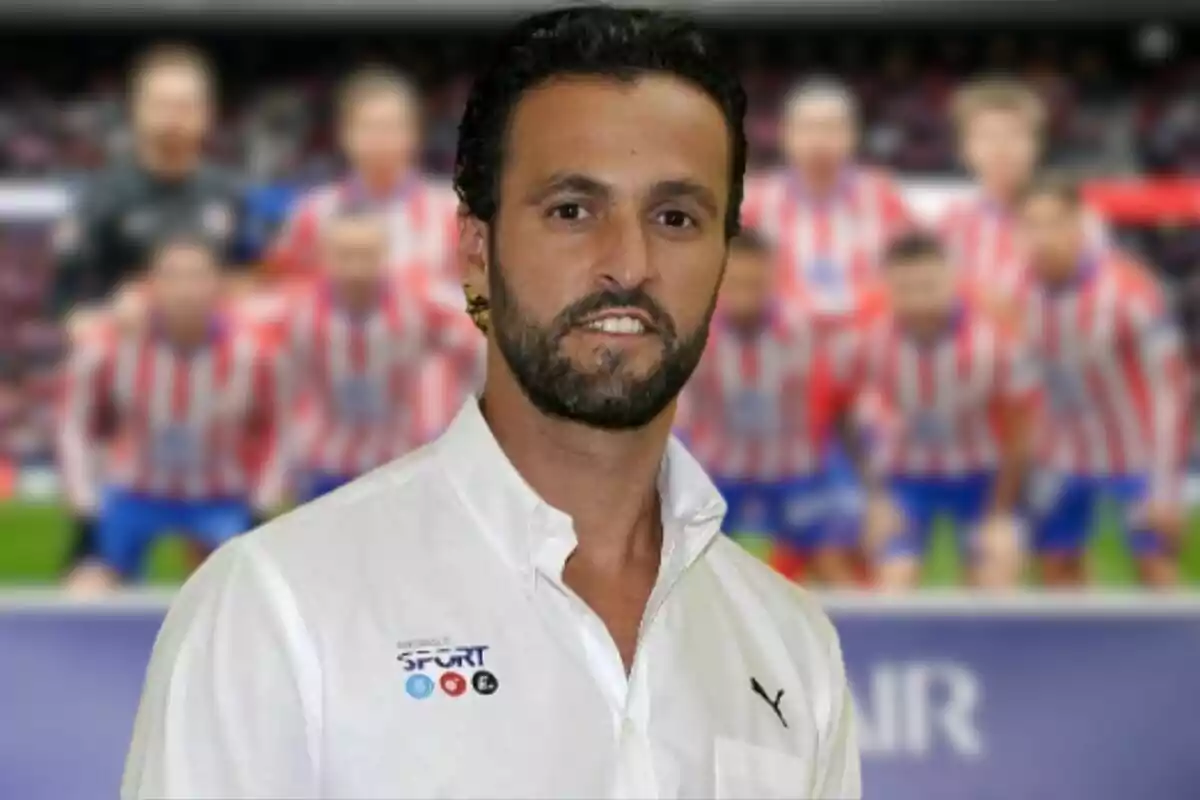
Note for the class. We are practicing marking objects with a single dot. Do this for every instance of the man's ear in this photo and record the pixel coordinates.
(472, 252)
(472, 256)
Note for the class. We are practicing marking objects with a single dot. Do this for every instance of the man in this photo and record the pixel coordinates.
(379, 125)
(1001, 126)
(829, 218)
(379, 130)
(357, 340)
(1115, 382)
(174, 407)
(760, 413)
(123, 210)
(958, 394)
(540, 603)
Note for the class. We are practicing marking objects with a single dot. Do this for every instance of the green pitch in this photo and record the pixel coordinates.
(34, 540)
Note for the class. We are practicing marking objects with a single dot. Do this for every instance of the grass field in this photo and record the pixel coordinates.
(34, 540)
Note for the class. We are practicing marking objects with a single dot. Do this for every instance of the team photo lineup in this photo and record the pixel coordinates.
(1004, 372)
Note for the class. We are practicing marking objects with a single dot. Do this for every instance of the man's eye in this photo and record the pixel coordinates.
(569, 212)
(676, 219)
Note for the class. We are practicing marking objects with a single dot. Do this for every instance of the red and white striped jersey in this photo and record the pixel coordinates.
(761, 403)
(1113, 372)
(980, 237)
(365, 400)
(201, 424)
(942, 398)
(422, 224)
(831, 247)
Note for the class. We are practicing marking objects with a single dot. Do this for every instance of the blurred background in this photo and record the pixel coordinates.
(1081, 696)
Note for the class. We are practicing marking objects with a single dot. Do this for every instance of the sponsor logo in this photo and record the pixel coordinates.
(435, 664)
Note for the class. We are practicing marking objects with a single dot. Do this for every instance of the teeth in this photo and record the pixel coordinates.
(618, 325)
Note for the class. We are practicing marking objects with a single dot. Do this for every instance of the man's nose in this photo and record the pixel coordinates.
(626, 259)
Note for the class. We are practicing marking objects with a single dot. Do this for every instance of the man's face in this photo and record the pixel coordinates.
(1051, 234)
(380, 133)
(185, 284)
(609, 243)
(172, 109)
(819, 134)
(1000, 147)
(746, 289)
(921, 291)
(355, 252)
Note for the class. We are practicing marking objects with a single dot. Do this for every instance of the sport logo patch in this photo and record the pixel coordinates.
(452, 669)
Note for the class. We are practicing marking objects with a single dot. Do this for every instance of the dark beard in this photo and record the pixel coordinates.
(607, 397)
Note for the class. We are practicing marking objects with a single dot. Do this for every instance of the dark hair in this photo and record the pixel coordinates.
(1061, 186)
(750, 241)
(596, 40)
(914, 245)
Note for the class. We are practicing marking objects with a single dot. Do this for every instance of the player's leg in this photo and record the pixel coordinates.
(1062, 509)
(747, 514)
(836, 546)
(320, 484)
(211, 523)
(898, 562)
(821, 517)
(1154, 557)
(990, 562)
(125, 526)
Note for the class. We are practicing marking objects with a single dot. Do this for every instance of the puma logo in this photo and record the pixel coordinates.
(774, 704)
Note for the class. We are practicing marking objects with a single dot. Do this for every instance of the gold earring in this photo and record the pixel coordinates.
(478, 308)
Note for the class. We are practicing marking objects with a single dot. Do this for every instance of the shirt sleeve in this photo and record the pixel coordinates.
(231, 704)
(85, 396)
(838, 769)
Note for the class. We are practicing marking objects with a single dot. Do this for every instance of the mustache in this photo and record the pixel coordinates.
(605, 299)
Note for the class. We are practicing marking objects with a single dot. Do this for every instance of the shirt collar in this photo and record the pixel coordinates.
(535, 536)
(218, 327)
(330, 296)
(842, 189)
(949, 329)
(355, 191)
(1087, 269)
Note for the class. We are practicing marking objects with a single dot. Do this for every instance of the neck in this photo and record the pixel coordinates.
(606, 481)
(356, 298)
(1000, 195)
(382, 181)
(166, 164)
(820, 181)
(186, 334)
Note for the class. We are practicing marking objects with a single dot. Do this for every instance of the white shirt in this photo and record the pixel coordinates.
(290, 665)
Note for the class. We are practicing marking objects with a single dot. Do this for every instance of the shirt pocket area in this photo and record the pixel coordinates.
(745, 771)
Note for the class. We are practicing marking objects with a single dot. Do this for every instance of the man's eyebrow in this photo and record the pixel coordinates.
(567, 182)
(674, 189)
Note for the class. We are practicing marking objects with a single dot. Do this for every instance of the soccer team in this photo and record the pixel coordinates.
(864, 377)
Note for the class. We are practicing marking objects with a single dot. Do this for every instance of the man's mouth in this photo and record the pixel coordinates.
(620, 322)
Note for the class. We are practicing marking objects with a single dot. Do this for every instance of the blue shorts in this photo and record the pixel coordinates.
(1065, 507)
(320, 484)
(129, 523)
(844, 484)
(803, 512)
(964, 498)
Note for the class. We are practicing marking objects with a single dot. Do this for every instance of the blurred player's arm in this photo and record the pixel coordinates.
(81, 242)
(1015, 407)
(295, 244)
(1164, 372)
(84, 411)
(231, 706)
(274, 399)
